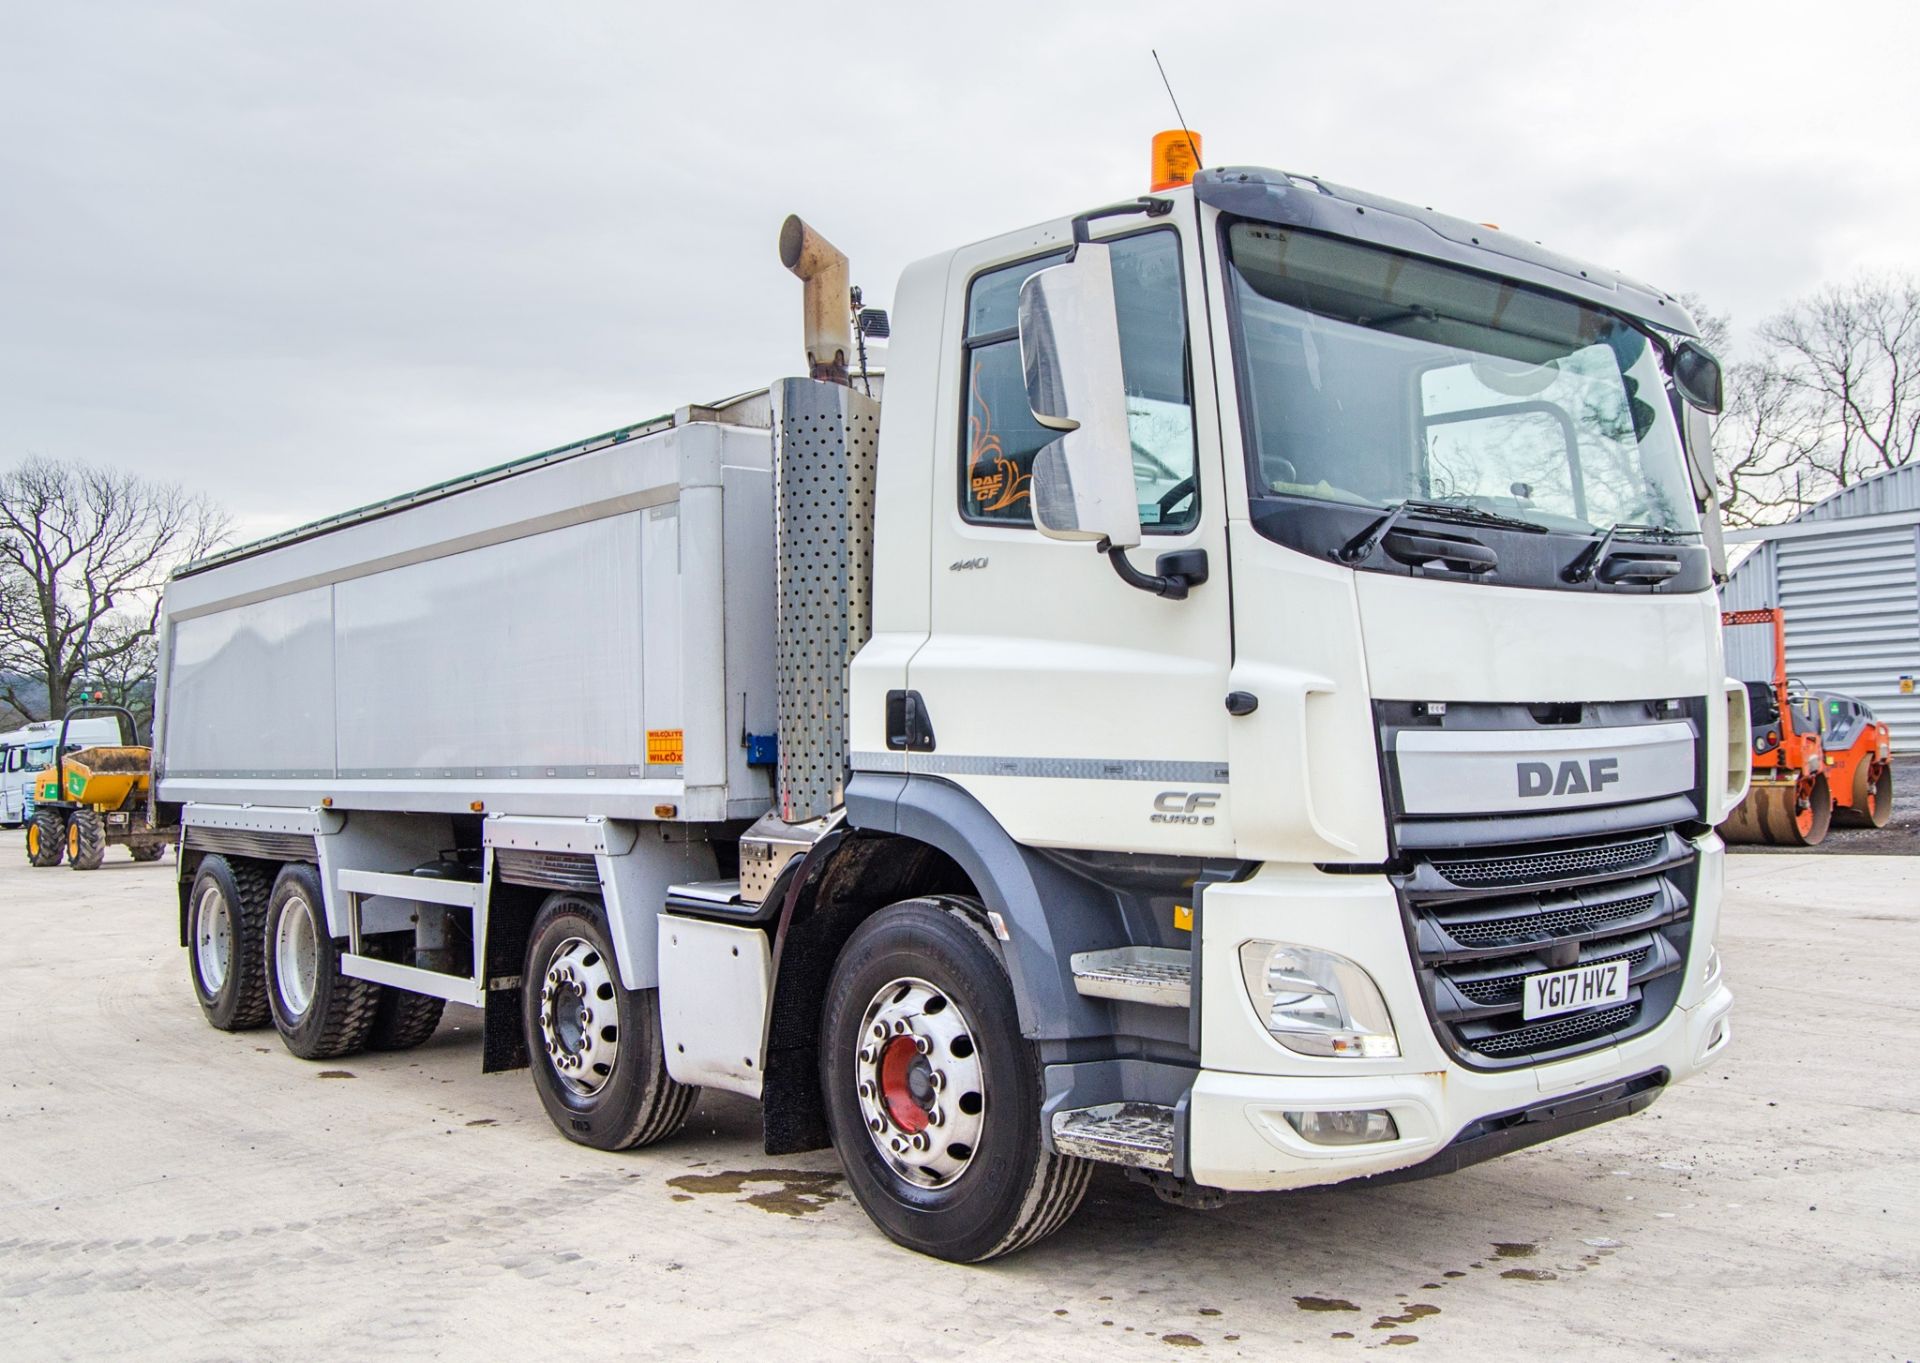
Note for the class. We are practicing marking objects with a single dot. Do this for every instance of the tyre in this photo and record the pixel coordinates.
(403, 1019)
(319, 1013)
(596, 1051)
(933, 1096)
(152, 851)
(47, 837)
(226, 917)
(86, 839)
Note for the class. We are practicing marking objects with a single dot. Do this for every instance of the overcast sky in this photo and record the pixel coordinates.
(304, 255)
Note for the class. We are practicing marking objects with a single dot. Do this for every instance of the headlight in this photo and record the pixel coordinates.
(1317, 1003)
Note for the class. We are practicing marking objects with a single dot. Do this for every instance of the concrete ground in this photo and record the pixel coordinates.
(170, 1192)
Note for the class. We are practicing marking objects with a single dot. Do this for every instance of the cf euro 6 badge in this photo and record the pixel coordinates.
(1184, 806)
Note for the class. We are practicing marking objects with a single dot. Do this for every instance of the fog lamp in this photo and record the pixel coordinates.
(1353, 1127)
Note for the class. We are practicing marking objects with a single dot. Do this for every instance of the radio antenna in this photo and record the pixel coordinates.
(1192, 146)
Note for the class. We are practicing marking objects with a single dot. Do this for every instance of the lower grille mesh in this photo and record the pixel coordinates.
(1556, 1032)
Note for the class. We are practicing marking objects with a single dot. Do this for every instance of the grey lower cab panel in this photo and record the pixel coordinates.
(1139, 1135)
(1161, 976)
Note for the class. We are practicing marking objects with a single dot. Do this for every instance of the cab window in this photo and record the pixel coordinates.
(1001, 437)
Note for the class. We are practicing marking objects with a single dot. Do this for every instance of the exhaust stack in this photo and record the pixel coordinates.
(822, 268)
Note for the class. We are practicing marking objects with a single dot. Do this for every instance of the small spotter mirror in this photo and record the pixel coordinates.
(1697, 376)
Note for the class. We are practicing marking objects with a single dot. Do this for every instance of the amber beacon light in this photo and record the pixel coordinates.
(1176, 155)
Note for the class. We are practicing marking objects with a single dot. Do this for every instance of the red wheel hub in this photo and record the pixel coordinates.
(896, 1070)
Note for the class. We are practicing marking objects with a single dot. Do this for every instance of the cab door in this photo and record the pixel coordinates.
(1081, 711)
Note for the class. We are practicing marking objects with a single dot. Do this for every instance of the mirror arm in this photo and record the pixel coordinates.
(1179, 572)
(1146, 203)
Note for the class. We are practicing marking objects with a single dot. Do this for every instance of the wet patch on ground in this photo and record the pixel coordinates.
(796, 1192)
(337, 1074)
(1417, 1311)
(1324, 1304)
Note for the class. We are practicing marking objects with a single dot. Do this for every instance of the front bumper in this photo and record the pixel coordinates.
(1237, 1136)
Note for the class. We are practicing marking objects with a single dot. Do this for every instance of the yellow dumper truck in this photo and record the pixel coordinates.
(94, 798)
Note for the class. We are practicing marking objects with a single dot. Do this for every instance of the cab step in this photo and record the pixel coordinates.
(1162, 976)
(1139, 1135)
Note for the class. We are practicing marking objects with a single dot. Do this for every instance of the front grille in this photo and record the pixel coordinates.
(1482, 921)
(1518, 929)
(1558, 864)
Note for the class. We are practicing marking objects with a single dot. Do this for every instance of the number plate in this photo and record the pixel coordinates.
(1569, 991)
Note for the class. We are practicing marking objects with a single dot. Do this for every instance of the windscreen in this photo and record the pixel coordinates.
(1370, 377)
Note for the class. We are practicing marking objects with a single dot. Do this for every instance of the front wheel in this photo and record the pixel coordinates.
(598, 1057)
(933, 1096)
(86, 839)
(47, 837)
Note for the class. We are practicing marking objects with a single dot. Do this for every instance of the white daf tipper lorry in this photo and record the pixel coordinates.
(1251, 712)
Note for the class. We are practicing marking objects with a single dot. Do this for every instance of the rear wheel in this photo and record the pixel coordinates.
(86, 839)
(598, 1058)
(404, 1019)
(47, 837)
(226, 915)
(151, 851)
(318, 1012)
(933, 1096)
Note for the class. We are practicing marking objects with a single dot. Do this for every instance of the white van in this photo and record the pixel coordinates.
(24, 752)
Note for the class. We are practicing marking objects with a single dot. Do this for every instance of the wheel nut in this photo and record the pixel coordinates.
(922, 1045)
(866, 1055)
(938, 1079)
(899, 1146)
(866, 1089)
(920, 1141)
(935, 1117)
(879, 1031)
(875, 1125)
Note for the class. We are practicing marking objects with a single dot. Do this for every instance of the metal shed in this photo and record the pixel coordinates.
(1845, 572)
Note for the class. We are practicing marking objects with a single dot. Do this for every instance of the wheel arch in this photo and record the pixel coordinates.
(907, 838)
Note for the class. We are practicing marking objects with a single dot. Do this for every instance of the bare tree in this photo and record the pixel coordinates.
(1833, 397)
(83, 553)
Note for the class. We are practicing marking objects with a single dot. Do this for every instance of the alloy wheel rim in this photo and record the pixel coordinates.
(296, 950)
(579, 1017)
(213, 938)
(920, 1083)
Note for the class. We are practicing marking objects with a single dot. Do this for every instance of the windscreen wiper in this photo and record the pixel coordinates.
(1359, 548)
(1595, 554)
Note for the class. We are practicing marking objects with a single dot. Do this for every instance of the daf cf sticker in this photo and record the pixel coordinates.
(1491, 771)
(1184, 806)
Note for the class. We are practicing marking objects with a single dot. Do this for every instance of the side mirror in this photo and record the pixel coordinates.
(1696, 374)
(1070, 352)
